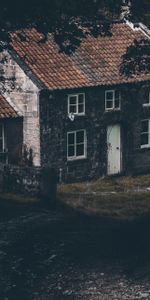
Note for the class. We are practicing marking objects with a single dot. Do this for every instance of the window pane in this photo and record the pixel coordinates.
(144, 127)
(109, 95)
(80, 98)
(71, 151)
(80, 150)
(71, 139)
(80, 137)
(117, 103)
(144, 139)
(109, 104)
(72, 100)
(147, 97)
(80, 108)
(72, 109)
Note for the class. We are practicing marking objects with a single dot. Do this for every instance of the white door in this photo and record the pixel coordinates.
(113, 149)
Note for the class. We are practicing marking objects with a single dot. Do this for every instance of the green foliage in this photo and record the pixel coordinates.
(49, 14)
(65, 18)
(62, 17)
(137, 58)
(141, 11)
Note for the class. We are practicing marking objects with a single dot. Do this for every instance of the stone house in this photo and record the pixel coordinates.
(77, 113)
(11, 129)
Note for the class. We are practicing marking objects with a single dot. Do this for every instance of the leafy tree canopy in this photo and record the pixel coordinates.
(141, 11)
(137, 58)
(66, 18)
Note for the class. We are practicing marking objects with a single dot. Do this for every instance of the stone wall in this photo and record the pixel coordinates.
(21, 180)
(55, 124)
(23, 94)
(54, 127)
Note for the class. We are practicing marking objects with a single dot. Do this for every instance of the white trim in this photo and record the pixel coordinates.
(144, 29)
(145, 146)
(148, 133)
(75, 157)
(131, 25)
(147, 104)
(113, 100)
(141, 27)
(2, 138)
(114, 149)
(76, 104)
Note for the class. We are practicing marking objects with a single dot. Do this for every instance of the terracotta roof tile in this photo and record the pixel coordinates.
(95, 62)
(6, 110)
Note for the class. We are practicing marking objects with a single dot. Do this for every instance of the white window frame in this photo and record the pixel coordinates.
(113, 100)
(147, 104)
(75, 157)
(76, 104)
(146, 145)
(2, 138)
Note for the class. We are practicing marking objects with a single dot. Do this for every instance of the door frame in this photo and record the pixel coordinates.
(121, 162)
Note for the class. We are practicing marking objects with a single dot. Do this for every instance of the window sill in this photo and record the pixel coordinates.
(146, 105)
(145, 147)
(76, 115)
(112, 110)
(142, 149)
(76, 158)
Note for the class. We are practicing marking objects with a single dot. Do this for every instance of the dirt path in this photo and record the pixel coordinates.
(57, 255)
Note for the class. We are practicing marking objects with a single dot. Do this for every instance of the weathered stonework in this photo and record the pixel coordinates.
(46, 123)
(21, 180)
(55, 124)
(23, 94)
(30, 181)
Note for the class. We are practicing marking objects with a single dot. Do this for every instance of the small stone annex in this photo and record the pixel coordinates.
(77, 113)
(11, 123)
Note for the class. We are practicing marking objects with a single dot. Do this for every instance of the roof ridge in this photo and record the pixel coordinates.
(139, 27)
(144, 29)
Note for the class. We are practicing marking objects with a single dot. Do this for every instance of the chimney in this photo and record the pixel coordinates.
(125, 10)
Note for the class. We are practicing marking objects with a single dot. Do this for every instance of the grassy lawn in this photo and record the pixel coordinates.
(18, 198)
(122, 197)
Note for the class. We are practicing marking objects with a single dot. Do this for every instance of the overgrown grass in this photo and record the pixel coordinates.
(116, 184)
(18, 198)
(124, 197)
(120, 205)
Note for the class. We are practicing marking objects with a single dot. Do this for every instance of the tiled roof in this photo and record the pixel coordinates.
(6, 110)
(95, 62)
